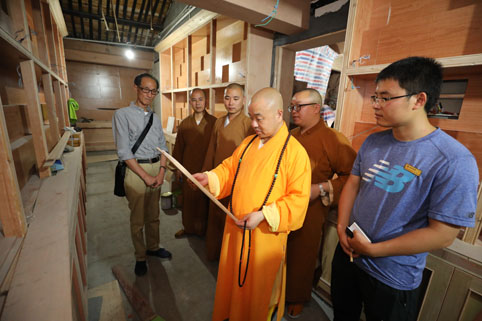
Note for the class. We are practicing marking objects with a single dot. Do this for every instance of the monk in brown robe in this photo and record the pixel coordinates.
(229, 131)
(330, 153)
(193, 135)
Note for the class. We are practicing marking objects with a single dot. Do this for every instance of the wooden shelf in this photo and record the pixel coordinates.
(13, 52)
(35, 93)
(210, 55)
(452, 65)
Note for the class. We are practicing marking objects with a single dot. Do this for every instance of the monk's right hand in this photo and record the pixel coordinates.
(202, 178)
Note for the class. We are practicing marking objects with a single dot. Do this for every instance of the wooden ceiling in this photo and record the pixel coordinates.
(139, 22)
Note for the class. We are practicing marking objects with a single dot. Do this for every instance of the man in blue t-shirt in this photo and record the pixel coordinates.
(410, 190)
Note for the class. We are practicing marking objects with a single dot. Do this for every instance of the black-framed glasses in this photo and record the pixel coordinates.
(298, 107)
(383, 100)
(146, 90)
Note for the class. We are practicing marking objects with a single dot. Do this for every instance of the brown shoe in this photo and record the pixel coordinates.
(180, 234)
(294, 310)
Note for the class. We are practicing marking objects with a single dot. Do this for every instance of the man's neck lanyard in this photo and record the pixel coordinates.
(240, 284)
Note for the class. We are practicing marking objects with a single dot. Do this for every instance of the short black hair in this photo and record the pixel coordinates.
(415, 75)
(138, 79)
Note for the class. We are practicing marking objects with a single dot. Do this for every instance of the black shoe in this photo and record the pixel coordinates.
(162, 253)
(141, 268)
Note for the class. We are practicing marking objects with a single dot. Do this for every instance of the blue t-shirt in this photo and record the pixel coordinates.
(402, 185)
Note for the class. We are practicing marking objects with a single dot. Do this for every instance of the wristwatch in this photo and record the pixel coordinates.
(322, 190)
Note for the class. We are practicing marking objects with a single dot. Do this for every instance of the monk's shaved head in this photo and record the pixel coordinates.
(270, 97)
(266, 112)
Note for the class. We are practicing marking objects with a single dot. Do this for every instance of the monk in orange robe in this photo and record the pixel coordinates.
(192, 141)
(269, 199)
(331, 157)
(228, 132)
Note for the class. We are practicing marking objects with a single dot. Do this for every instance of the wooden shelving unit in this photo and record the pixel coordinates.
(210, 55)
(379, 33)
(33, 115)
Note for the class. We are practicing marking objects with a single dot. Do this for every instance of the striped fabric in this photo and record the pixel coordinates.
(313, 66)
(328, 115)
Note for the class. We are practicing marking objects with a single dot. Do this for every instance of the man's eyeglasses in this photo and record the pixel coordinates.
(146, 90)
(383, 100)
(298, 107)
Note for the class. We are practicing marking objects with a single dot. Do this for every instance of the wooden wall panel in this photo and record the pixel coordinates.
(101, 86)
(16, 119)
(34, 116)
(51, 108)
(380, 24)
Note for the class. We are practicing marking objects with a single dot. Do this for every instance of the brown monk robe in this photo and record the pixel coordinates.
(228, 132)
(190, 148)
(224, 141)
(330, 153)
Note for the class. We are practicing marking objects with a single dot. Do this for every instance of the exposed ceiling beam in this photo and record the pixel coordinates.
(139, 18)
(133, 11)
(292, 16)
(91, 27)
(111, 19)
(99, 23)
(81, 19)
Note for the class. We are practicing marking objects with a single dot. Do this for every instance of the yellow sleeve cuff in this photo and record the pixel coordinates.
(213, 184)
(329, 196)
(271, 214)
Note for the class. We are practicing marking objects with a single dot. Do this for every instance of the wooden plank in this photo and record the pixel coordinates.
(95, 124)
(136, 298)
(35, 116)
(258, 62)
(58, 150)
(16, 10)
(78, 291)
(65, 97)
(43, 51)
(202, 188)
(57, 15)
(101, 158)
(12, 214)
(80, 254)
(51, 107)
(59, 104)
(285, 67)
(49, 34)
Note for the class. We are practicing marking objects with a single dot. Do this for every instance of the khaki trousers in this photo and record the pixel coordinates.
(144, 206)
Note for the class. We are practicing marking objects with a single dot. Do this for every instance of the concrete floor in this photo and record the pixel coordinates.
(178, 290)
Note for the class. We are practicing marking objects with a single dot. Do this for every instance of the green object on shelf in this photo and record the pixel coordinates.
(73, 106)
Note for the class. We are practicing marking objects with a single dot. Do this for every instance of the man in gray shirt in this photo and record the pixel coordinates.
(145, 169)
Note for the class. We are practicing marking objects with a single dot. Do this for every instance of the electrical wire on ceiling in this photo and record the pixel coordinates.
(271, 16)
(115, 19)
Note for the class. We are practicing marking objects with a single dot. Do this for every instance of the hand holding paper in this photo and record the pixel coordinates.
(197, 183)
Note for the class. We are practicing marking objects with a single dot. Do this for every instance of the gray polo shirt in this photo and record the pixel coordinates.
(128, 124)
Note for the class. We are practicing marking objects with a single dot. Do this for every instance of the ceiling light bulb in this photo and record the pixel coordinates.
(129, 54)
